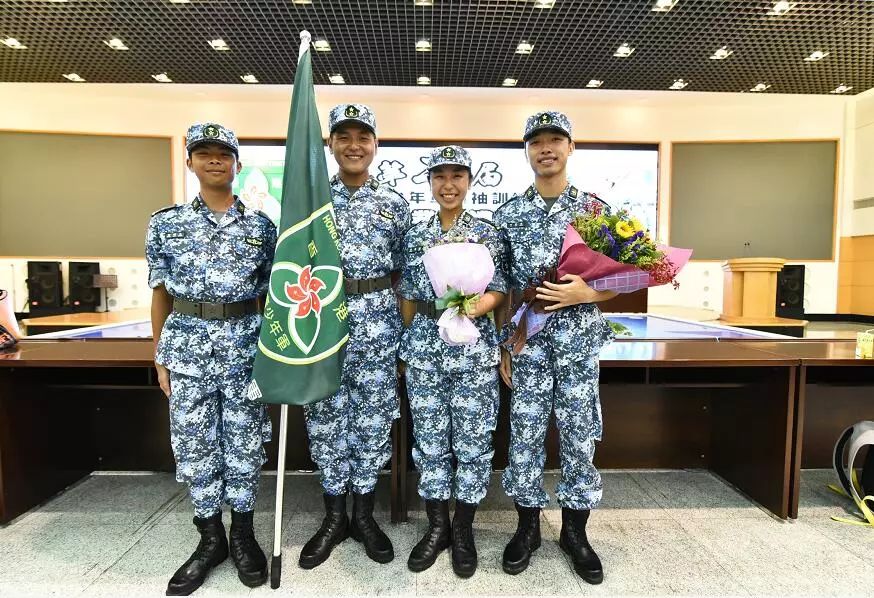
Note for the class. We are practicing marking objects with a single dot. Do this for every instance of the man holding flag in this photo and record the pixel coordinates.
(350, 433)
(339, 241)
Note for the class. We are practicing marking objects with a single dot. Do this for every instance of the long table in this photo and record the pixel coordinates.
(745, 409)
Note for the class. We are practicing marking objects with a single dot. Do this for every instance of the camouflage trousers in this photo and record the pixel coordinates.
(541, 384)
(350, 432)
(454, 413)
(217, 435)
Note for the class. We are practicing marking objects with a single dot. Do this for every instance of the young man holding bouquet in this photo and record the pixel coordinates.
(451, 358)
(557, 369)
(350, 432)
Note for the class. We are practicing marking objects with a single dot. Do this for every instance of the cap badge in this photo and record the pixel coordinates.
(352, 112)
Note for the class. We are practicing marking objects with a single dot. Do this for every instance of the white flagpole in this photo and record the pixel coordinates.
(276, 561)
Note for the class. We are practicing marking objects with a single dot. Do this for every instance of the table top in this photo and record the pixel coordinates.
(139, 353)
(813, 353)
(89, 318)
(77, 353)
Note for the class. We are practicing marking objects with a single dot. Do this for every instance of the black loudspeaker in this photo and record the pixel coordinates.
(83, 295)
(790, 292)
(44, 286)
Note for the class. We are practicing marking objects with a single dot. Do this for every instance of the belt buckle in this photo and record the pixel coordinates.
(212, 311)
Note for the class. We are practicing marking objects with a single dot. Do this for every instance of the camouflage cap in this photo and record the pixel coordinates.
(549, 120)
(449, 155)
(211, 133)
(357, 113)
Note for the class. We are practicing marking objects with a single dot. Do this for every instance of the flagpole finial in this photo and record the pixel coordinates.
(305, 38)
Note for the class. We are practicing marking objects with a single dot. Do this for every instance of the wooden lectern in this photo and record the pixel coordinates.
(749, 293)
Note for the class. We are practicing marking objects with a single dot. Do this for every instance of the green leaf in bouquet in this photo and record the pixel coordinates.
(469, 302)
(451, 298)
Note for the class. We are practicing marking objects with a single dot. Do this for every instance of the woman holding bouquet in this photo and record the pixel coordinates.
(557, 369)
(454, 260)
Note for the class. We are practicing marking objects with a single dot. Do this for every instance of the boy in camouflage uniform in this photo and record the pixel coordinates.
(209, 263)
(453, 390)
(558, 367)
(350, 432)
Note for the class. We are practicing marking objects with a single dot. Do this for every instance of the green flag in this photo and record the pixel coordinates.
(305, 327)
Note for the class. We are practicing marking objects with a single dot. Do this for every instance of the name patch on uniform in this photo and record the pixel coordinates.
(254, 241)
(386, 214)
(517, 224)
(175, 235)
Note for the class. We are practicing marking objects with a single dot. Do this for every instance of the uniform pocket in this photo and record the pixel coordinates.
(179, 244)
(247, 251)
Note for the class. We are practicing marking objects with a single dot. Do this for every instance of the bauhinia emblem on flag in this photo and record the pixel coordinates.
(306, 309)
(305, 327)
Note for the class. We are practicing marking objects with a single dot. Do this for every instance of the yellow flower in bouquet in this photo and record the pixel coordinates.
(637, 225)
(625, 229)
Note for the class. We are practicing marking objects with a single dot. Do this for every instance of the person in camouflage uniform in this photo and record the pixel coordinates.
(452, 390)
(558, 367)
(350, 432)
(209, 262)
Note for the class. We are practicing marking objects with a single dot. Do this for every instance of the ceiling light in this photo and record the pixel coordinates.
(721, 54)
(841, 88)
(14, 44)
(423, 81)
(219, 45)
(524, 48)
(624, 51)
(162, 78)
(816, 56)
(509, 82)
(249, 78)
(781, 8)
(544, 3)
(337, 79)
(179, 1)
(301, 1)
(679, 84)
(423, 2)
(423, 45)
(594, 83)
(760, 87)
(322, 45)
(74, 77)
(664, 5)
(115, 44)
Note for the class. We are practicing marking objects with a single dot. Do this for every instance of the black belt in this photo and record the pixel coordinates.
(215, 311)
(354, 286)
(428, 309)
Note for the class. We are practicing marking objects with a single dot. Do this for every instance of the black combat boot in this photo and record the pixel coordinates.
(436, 538)
(212, 550)
(524, 542)
(464, 559)
(365, 530)
(575, 543)
(245, 552)
(334, 529)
